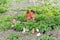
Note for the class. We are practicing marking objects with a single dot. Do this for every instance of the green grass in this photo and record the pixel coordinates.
(13, 36)
(5, 22)
(45, 37)
(18, 1)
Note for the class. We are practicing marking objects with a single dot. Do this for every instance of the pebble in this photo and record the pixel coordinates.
(24, 30)
(38, 34)
(37, 30)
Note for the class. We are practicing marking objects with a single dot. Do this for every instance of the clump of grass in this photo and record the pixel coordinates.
(44, 37)
(13, 36)
(5, 22)
(3, 9)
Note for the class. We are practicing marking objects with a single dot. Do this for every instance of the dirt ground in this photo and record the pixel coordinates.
(28, 36)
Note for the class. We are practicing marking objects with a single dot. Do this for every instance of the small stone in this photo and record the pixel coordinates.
(14, 21)
(24, 30)
(37, 30)
(38, 34)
